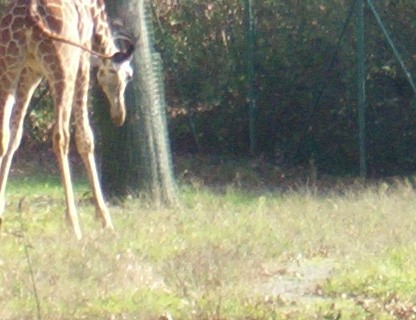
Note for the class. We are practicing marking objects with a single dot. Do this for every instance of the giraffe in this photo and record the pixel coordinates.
(55, 40)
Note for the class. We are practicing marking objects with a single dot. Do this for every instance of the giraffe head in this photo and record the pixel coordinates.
(113, 75)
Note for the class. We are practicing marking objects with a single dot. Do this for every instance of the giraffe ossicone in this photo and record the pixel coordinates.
(54, 39)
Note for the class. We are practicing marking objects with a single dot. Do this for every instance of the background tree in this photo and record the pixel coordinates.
(138, 156)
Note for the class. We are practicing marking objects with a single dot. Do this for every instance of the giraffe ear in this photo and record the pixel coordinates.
(122, 56)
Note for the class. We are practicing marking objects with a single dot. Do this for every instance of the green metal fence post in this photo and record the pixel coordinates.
(248, 4)
(361, 75)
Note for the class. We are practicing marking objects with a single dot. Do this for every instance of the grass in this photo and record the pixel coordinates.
(234, 254)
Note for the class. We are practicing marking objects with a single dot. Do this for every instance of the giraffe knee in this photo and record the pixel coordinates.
(84, 142)
(85, 145)
(61, 141)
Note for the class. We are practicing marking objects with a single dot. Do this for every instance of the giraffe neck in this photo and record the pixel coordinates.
(103, 39)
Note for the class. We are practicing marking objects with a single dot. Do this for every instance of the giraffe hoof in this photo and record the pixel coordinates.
(109, 227)
(78, 233)
(78, 236)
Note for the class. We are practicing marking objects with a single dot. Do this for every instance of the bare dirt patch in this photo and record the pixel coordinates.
(298, 281)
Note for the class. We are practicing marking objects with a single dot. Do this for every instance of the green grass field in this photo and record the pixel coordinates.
(234, 254)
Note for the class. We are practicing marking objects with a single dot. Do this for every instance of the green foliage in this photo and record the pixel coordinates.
(204, 51)
(40, 119)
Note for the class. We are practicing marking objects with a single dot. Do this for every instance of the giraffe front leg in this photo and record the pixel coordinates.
(85, 141)
(62, 93)
(61, 147)
(85, 145)
(102, 212)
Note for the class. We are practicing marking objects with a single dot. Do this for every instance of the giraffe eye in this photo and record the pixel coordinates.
(129, 76)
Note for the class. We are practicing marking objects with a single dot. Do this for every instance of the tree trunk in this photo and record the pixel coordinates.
(137, 157)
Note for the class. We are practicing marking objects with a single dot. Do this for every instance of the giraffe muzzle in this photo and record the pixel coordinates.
(119, 120)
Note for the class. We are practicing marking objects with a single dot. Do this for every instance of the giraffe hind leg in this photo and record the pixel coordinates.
(8, 84)
(27, 84)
